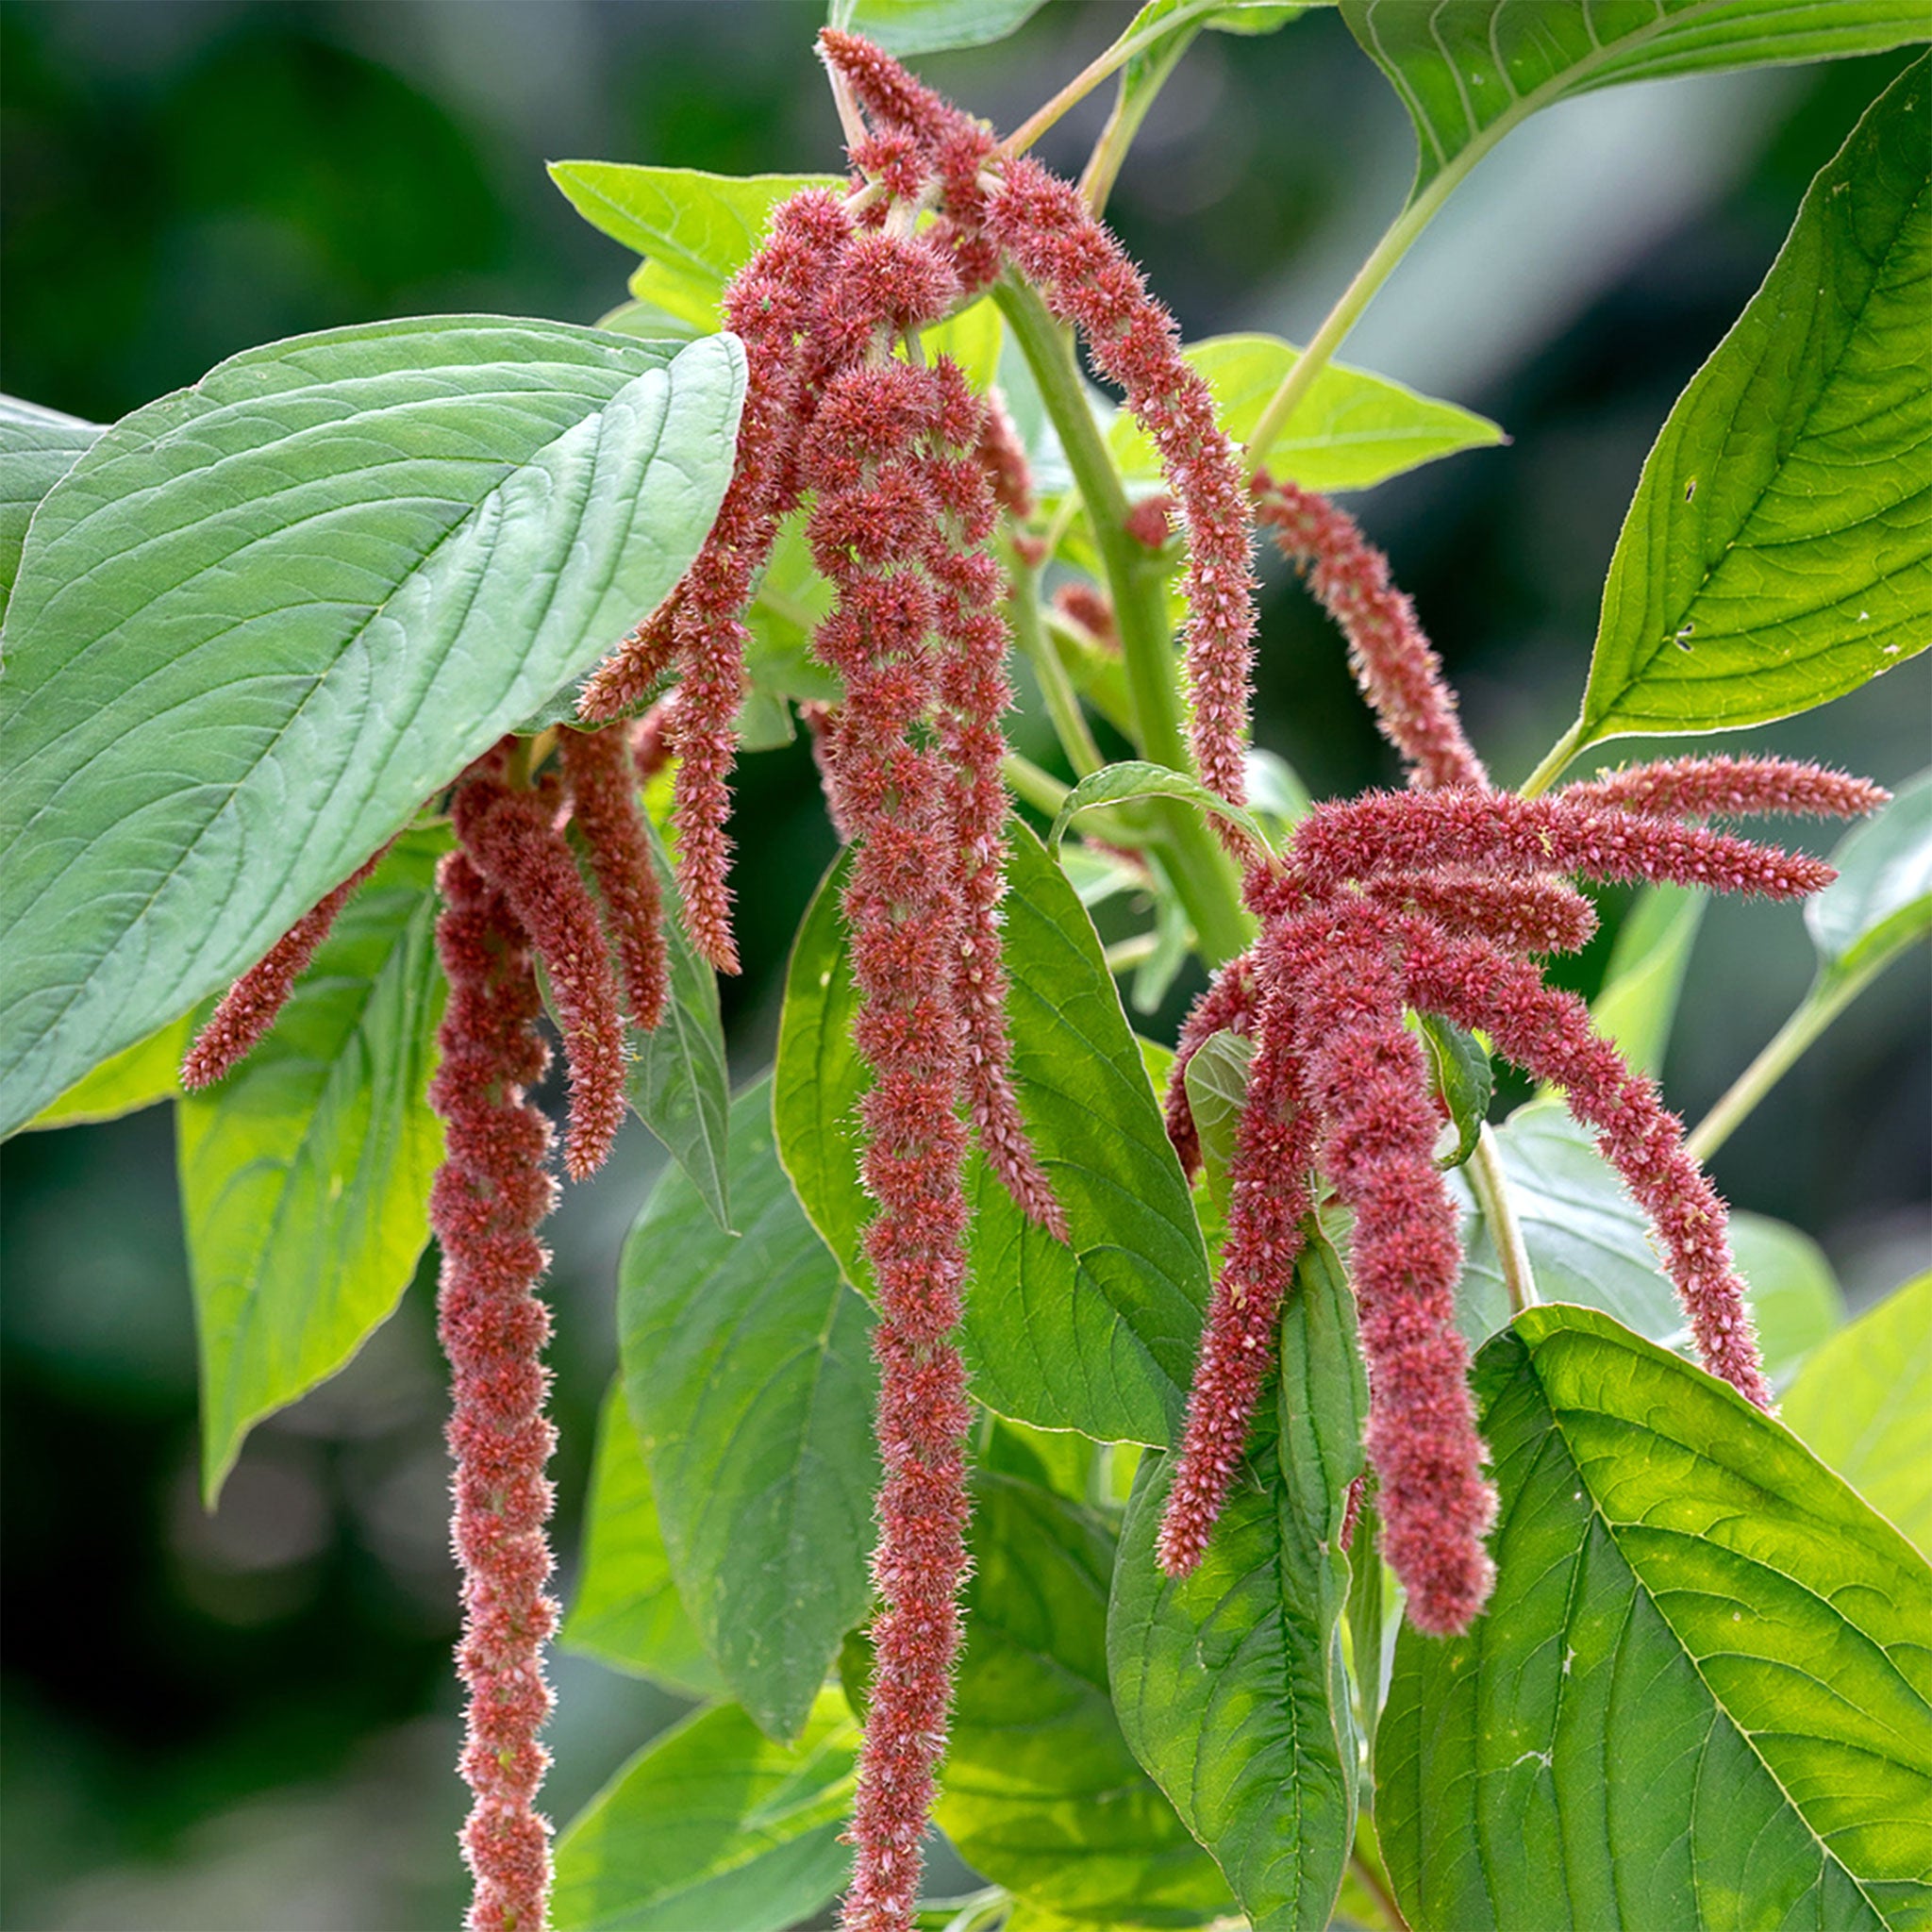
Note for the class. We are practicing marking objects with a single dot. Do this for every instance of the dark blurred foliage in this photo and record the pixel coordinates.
(247, 1720)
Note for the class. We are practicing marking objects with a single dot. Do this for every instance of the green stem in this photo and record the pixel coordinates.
(1129, 111)
(1062, 705)
(1553, 761)
(1202, 873)
(1491, 1187)
(1829, 996)
(1395, 242)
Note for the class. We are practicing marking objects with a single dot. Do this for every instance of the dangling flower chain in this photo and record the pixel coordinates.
(1436, 900)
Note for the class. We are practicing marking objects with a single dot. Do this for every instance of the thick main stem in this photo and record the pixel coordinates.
(1202, 873)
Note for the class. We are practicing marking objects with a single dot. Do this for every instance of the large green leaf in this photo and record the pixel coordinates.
(1881, 901)
(1699, 1698)
(1589, 1243)
(1863, 1400)
(1097, 1337)
(713, 1826)
(304, 1175)
(1229, 1682)
(931, 26)
(676, 1078)
(1470, 73)
(1778, 551)
(626, 1611)
(1041, 1793)
(138, 1076)
(748, 1373)
(1351, 430)
(37, 448)
(262, 620)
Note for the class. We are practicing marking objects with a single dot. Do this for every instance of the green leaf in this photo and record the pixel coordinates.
(1700, 1695)
(304, 1175)
(1881, 901)
(262, 620)
(1351, 430)
(677, 1079)
(1099, 1337)
(973, 339)
(1229, 1683)
(1217, 1084)
(1863, 1401)
(711, 1826)
(626, 1611)
(1645, 974)
(1589, 1243)
(1136, 778)
(37, 448)
(1471, 73)
(1778, 551)
(749, 1378)
(1041, 1793)
(698, 229)
(1460, 1071)
(904, 27)
(147, 1072)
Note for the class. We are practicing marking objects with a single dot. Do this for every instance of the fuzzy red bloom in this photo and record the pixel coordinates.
(1399, 674)
(512, 837)
(1548, 1034)
(489, 1196)
(1526, 915)
(601, 777)
(1729, 788)
(248, 1009)
(1087, 279)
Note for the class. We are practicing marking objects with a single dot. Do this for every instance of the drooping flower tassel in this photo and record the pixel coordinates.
(601, 770)
(248, 1009)
(488, 1197)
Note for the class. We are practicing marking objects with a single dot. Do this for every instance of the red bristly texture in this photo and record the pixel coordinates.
(1729, 788)
(1086, 278)
(599, 770)
(650, 739)
(771, 306)
(248, 1009)
(870, 528)
(1399, 673)
(512, 840)
(488, 1197)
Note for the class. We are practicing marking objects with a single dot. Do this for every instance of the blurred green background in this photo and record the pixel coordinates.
(247, 1720)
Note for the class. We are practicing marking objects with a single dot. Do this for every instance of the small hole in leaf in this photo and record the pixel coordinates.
(1691, 490)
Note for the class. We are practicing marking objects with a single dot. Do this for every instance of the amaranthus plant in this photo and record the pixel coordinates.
(1238, 1482)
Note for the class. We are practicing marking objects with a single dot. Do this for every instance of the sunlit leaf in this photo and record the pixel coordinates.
(905, 27)
(1881, 901)
(1135, 778)
(1702, 1694)
(1863, 1400)
(37, 448)
(139, 1077)
(1778, 551)
(713, 1826)
(1350, 430)
(304, 1175)
(260, 621)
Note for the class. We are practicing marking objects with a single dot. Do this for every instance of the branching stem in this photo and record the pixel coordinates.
(1490, 1186)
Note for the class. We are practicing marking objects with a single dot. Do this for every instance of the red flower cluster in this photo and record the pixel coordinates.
(1435, 901)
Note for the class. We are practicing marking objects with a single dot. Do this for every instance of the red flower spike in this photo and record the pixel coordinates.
(889, 96)
(1366, 1074)
(1525, 915)
(489, 1196)
(1004, 460)
(601, 773)
(1087, 279)
(1228, 1005)
(1398, 672)
(1548, 1034)
(650, 739)
(512, 837)
(248, 1009)
(1728, 787)
(1269, 1200)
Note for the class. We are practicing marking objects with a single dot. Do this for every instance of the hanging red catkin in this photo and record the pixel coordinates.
(513, 839)
(248, 1009)
(599, 770)
(487, 1201)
